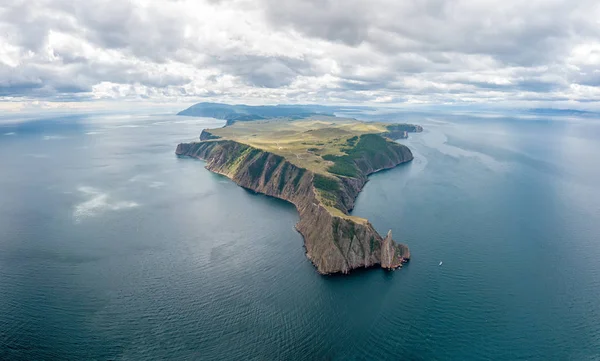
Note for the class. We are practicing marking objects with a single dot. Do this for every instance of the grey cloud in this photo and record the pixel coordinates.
(39, 82)
(129, 74)
(42, 80)
(539, 86)
(259, 71)
(143, 32)
(589, 79)
(332, 20)
(362, 85)
(518, 33)
(588, 75)
(32, 26)
(332, 50)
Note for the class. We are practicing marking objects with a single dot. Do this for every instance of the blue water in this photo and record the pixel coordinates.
(111, 247)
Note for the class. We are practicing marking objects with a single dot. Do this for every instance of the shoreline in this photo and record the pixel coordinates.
(349, 244)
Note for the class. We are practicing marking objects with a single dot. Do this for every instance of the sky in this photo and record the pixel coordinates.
(70, 53)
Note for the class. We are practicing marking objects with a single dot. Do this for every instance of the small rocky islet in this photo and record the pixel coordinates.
(319, 163)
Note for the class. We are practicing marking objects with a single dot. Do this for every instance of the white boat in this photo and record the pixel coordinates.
(441, 263)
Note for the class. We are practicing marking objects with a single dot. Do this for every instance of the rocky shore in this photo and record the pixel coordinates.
(335, 241)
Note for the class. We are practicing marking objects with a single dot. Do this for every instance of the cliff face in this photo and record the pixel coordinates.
(351, 186)
(207, 135)
(333, 243)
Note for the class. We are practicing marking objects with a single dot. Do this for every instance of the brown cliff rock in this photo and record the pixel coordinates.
(334, 243)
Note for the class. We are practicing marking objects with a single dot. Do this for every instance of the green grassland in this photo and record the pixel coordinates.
(324, 145)
(308, 143)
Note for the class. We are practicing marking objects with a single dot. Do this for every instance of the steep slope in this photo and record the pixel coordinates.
(334, 241)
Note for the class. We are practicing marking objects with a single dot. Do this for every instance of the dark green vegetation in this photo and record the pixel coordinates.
(342, 165)
(282, 177)
(299, 176)
(270, 168)
(325, 183)
(369, 146)
(256, 168)
(236, 154)
(352, 141)
(328, 188)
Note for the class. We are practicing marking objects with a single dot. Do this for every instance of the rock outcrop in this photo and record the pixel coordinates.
(335, 241)
(400, 131)
(207, 135)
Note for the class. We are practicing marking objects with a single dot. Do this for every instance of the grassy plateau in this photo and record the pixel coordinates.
(327, 146)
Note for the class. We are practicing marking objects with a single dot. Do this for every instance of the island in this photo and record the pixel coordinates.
(319, 163)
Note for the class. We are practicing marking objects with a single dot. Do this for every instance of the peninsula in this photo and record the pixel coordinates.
(319, 163)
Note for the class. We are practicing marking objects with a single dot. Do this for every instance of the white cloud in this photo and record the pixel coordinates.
(272, 51)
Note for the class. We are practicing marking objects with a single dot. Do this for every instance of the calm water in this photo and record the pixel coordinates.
(111, 247)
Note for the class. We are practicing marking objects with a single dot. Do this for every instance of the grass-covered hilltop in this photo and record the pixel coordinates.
(319, 163)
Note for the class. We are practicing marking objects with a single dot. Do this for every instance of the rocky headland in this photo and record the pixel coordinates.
(335, 241)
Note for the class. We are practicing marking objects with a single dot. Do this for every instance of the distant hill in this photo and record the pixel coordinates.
(562, 112)
(241, 112)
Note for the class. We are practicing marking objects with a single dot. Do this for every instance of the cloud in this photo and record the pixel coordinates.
(272, 51)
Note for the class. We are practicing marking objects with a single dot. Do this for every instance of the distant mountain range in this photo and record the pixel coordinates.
(241, 112)
(562, 112)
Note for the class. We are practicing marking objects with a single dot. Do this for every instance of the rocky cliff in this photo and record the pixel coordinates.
(400, 131)
(335, 241)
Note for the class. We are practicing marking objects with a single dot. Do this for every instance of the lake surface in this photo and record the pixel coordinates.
(113, 248)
